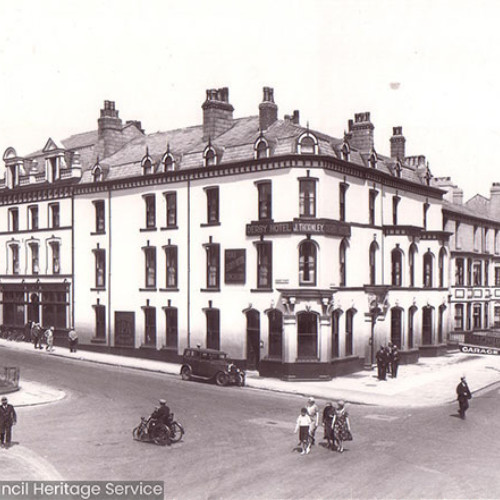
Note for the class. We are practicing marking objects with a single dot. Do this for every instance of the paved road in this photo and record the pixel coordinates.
(239, 442)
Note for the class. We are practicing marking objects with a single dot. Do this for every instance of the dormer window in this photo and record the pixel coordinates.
(169, 162)
(398, 170)
(307, 144)
(147, 166)
(97, 173)
(11, 168)
(261, 149)
(53, 168)
(13, 176)
(210, 157)
(346, 151)
(372, 161)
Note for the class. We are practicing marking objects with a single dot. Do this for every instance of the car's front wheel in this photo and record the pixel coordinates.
(186, 373)
(221, 379)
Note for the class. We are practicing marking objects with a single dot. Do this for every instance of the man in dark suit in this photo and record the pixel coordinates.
(463, 396)
(394, 358)
(381, 363)
(8, 418)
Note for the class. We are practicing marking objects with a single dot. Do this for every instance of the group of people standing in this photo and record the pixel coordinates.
(337, 427)
(38, 336)
(387, 361)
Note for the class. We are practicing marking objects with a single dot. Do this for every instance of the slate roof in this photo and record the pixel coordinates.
(236, 144)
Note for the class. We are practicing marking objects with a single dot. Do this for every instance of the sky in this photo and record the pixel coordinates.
(432, 67)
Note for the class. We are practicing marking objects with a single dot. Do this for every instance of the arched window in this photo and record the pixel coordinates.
(275, 318)
(398, 170)
(396, 266)
(342, 263)
(210, 157)
(261, 149)
(349, 332)
(335, 333)
(307, 335)
(373, 262)
(427, 325)
(441, 264)
(427, 271)
(411, 326)
(411, 263)
(147, 166)
(308, 144)
(346, 152)
(307, 263)
(169, 163)
(397, 326)
(97, 173)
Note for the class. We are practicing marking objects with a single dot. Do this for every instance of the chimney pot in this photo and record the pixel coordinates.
(397, 143)
(217, 113)
(268, 110)
(362, 132)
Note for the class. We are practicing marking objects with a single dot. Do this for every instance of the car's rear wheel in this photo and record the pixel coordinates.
(221, 379)
(186, 373)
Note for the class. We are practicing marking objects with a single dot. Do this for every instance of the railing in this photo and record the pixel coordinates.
(482, 339)
(9, 378)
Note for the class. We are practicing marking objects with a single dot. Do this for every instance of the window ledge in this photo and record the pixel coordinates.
(147, 346)
(261, 290)
(209, 224)
(95, 233)
(210, 289)
(172, 289)
(148, 289)
(96, 340)
(98, 289)
(307, 360)
(169, 228)
(168, 348)
(148, 229)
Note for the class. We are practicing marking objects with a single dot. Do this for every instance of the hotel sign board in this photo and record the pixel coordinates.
(234, 268)
(476, 349)
(319, 227)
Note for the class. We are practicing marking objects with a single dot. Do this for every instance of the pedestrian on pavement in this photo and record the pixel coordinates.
(394, 360)
(313, 412)
(303, 425)
(381, 363)
(341, 426)
(463, 396)
(388, 350)
(37, 335)
(73, 340)
(49, 338)
(8, 418)
(328, 413)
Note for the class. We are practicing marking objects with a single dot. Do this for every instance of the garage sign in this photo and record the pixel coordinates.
(475, 349)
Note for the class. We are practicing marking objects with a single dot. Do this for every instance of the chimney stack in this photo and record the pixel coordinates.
(109, 130)
(217, 113)
(268, 110)
(458, 196)
(362, 132)
(495, 200)
(397, 144)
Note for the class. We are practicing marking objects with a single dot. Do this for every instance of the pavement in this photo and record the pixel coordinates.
(430, 382)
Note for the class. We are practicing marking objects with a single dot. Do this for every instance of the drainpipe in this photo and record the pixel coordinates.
(109, 268)
(73, 259)
(189, 262)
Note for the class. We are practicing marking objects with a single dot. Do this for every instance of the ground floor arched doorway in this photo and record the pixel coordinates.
(396, 326)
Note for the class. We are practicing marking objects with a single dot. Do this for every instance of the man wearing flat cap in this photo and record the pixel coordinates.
(463, 396)
(8, 418)
(162, 412)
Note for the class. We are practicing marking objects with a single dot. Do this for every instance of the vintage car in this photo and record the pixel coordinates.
(210, 364)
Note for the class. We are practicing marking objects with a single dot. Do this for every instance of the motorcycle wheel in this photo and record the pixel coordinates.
(176, 432)
(137, 433)
(221, 379)
(186, 373)
(161, 435)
